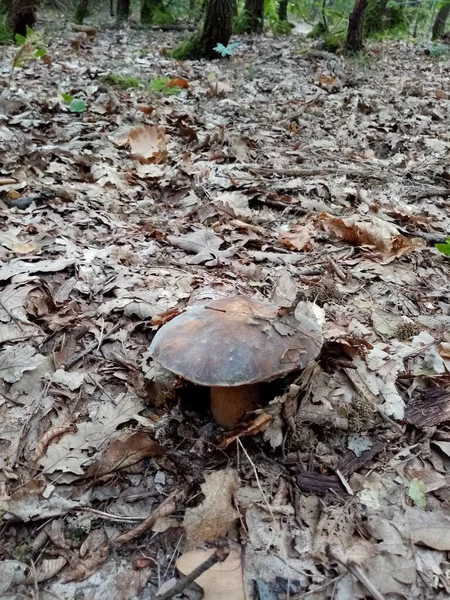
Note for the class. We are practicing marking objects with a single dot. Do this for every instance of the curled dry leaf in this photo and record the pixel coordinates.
(223, 581)
(124, 453)
(93, 553)
(148, 144)
(51, 434)
(215, 515)
(48, 569)
(259, 424)
(381, 237)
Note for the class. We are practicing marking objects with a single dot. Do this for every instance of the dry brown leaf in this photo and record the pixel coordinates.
(148, 144)
(381, 237)
(93, 552)
(430, 529)
(215, 515)
(223, 581)
(178, 82)
(301, 237)
(124, 453)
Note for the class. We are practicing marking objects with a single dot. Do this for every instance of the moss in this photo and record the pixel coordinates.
(190, 49)
(120, 81)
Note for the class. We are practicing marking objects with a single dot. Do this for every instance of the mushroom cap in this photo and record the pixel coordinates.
(236, 341)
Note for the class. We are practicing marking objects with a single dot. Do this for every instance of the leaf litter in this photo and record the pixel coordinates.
(294, 184)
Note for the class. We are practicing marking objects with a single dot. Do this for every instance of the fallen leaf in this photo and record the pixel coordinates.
(121, 454)
(223, 581)
(205, 244)
(215, 515)
(148, 144)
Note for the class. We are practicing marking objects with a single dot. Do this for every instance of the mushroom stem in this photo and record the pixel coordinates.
(229, 404)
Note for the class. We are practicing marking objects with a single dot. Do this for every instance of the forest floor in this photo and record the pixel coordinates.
(283, 174)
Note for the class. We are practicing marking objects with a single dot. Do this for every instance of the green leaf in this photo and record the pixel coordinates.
(40, 52)
(20, 39)
(67, 98)
(444, 248)
(77, 105)
(417, 492)
(226, 50)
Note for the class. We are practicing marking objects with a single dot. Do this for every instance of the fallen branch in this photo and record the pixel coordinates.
(221, 553)
(335, 553)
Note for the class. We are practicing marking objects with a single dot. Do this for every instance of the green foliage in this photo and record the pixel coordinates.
(161, 86)
(75, 105)
(120, 81)
(334, 42)
(439, 50)
(228, 50)
(30, 46)
(417, 492)
(444, 248)
(318, 31)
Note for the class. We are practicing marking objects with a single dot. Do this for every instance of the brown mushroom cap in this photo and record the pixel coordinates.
(236, 341)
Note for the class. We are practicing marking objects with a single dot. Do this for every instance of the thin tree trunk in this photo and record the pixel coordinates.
(254, 15)
(283, 10)
(80, 12)
(439, 23)
(20, 14)
(123, 11)
(218, 26)
(355, 30)
(217, 29)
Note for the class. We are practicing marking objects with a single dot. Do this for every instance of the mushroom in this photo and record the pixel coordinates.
(233, 345)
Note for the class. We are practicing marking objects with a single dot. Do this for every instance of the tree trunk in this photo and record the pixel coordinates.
(439, 23)
(283, 10)
(80, 12)
(20, 14)
(355, 30)
(123, 11)
(374, 21)
(217, 29)
(254, 16)
(149, 8)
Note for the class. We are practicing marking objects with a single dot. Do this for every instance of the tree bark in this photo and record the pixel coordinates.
(355, 30)
(217, 29)
(148, 10)
(283, 10)
(254, 16)
(80, 12)
(20, 14)
(439, 23)
(123, 11)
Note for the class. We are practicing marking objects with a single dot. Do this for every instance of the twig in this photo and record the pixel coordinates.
(335, 553)
(165, 509)
(221, 553)
(318, 589)
(95, 345)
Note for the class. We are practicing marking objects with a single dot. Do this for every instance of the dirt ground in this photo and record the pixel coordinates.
(285, 174)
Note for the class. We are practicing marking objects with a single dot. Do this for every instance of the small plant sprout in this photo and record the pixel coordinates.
(444, 248)
(228, 50)
(75, 105)
(30, 46)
